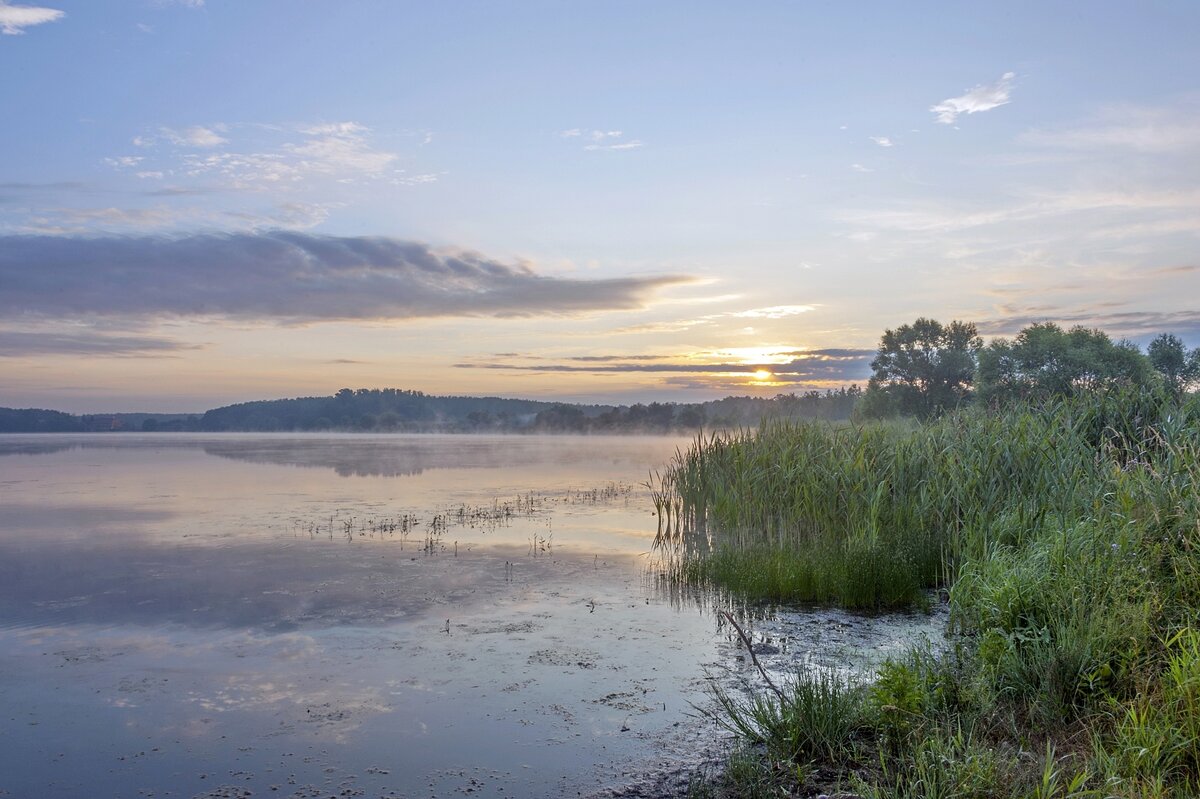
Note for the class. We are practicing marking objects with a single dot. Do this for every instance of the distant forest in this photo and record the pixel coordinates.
(920, 370)
(399, 410)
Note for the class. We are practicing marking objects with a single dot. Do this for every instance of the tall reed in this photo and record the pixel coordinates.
(869, 516)
(1068, 537)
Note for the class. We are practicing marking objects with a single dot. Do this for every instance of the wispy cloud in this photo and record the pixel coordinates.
(803, 366)
(934, 217)
(602, 139)
(774, 312)
(611, 358)
(861, 168)
(18, 343)
(882, 141)
(288, 277)
(1141, 129)
(67, 185)
(679, 325)
(124, 161)
(63, 220)
(1185, 269)
(1120, 323)
(981, 98)
(15, 19)
(196, 136)
(625, 145)
(268, 158)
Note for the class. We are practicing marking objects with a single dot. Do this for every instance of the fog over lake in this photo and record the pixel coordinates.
(358, 615)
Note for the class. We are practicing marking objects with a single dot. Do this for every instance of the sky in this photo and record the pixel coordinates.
(213, 201)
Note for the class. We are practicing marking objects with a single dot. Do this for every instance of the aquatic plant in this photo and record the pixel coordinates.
(1067, 538)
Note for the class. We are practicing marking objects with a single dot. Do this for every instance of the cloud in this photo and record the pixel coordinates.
(861, 168)
(602, 139)
(288, 277)
(627, 145)
(291, 216)
(335, 149)
(774, 312)
(15, 19)
(17, 343)
(404, 179)
(882, 141)
(938, 217)
(83, 220)
(1184, 269)
(1141, 129)
(679, 325)
(981, 98)
(270, 158)
(807, 365)
(611, 358)
(1123, 323)
(196, 136)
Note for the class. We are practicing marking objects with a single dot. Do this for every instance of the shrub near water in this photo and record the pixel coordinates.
(1069, 537)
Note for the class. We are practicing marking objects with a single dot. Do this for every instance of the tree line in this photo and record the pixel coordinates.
(926, 368)
(922, 369)
(401, 410)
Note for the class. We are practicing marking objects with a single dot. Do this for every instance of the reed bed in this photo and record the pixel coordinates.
(1067, 537)
(870, 516)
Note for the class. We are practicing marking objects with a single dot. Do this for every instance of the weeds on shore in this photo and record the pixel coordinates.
(1068, 538)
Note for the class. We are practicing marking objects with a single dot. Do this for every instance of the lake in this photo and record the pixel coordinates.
(356, 615)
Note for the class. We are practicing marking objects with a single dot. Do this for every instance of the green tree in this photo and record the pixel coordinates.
(561, 417)
(1180, 369)
(922, 369)
(1044, 361)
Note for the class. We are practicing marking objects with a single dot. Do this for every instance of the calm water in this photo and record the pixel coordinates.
(354, 616)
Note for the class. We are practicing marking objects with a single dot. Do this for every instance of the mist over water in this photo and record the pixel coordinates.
(349, 615)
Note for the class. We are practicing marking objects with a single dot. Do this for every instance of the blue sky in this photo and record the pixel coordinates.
(207, 202)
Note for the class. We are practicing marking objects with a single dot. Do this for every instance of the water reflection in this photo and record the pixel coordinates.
(182, 613)
(352, 455)
(401, 455)
(15, 445)
(275, 586)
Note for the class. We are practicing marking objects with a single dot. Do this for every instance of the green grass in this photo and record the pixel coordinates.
(1068, 537)
(816, 717)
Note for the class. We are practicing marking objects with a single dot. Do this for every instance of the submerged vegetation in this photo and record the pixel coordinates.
(1067, 535)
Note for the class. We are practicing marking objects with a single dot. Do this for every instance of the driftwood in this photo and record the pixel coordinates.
(753, 657)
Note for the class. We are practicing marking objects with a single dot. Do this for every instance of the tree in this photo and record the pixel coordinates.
(691, 417)
(1180, 369)
(561, 417)
(1044, 361)
(922, 369)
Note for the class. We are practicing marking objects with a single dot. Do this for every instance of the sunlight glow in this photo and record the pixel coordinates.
(768, 354)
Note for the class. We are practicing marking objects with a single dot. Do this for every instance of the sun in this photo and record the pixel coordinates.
(762, 376)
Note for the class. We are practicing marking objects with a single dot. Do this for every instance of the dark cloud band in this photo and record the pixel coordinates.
(15, 343)
(832, 364)
(289, 277)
